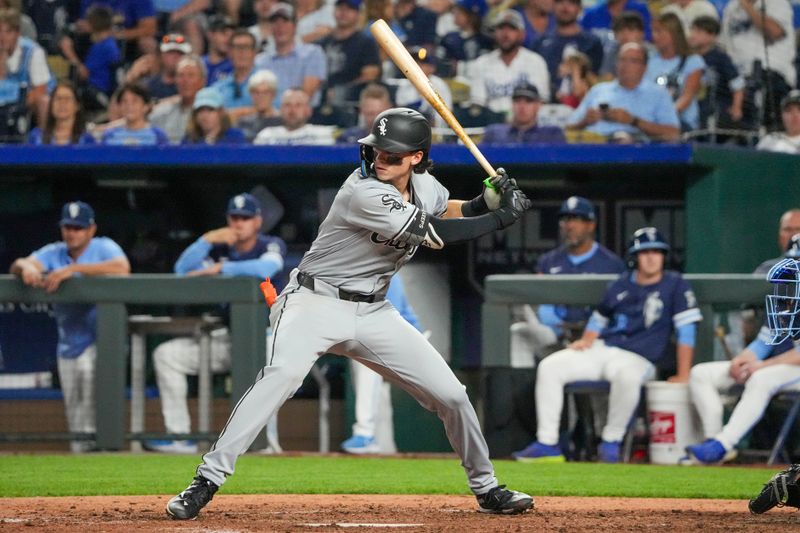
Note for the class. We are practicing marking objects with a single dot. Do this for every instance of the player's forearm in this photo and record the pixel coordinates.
(684, 355)
(256, 268)
(659, 131)
(118, 265)
(456, 230)
(22, 264)
(454, 209)
(193, 257)
(792, 357)
(589, 336)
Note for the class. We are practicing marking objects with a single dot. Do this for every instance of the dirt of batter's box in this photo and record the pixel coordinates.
(362, 513)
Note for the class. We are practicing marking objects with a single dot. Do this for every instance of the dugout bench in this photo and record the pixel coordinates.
(504, 390)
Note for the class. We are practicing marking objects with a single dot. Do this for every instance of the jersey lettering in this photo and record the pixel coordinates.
(397, 244)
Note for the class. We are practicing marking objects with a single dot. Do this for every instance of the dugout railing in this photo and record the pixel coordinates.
(113, 295)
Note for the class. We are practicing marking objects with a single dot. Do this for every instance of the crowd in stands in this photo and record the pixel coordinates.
(137, 72)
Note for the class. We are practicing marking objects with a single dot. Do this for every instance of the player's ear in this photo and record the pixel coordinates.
(92, 230)
(416, 159)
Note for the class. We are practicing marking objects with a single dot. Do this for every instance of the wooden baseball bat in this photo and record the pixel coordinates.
(411, 70)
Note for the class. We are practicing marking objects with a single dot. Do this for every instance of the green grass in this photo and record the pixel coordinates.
(115, 474)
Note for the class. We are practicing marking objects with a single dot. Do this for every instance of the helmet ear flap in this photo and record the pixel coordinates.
(367, 159)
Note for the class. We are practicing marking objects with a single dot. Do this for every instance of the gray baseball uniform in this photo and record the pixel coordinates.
(334, 303)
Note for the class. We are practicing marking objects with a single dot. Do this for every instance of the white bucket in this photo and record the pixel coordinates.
(672, 421)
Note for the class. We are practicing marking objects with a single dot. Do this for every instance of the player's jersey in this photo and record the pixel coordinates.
(641, 318)
(362, 242)
(764, 350)
(602, 261)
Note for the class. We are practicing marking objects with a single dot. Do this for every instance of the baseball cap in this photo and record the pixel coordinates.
(792, 98)
(354, 4)
(283, 10)
(422, 54)
(526, 90)
(219, 23)
(78, 214)
(511, 18)
(577, 206)
(175, 42)
(476, 7)
(207, 97)
(244, 205)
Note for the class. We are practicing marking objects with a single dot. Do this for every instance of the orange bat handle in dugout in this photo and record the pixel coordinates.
(269, 292)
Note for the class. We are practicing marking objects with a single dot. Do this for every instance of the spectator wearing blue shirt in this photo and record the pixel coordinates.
(372, 429)
(134, 102)
(237, 249)
(171, 50)
(630, 106)
(138, 23)
(79, 253)
(676, 68)
(418, 23)
(523, 129)
(218, 64)
(466, 43)
(234, 86)
(209, 123)
(296, 64)
(65, 123)
(599, 18)
(538, 18)
(568, 36)
(627, 335)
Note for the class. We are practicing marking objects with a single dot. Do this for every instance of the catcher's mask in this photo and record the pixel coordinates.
(783, 305)
(648, 238)
(397, 130)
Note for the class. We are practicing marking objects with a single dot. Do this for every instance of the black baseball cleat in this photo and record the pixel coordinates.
(500, 500)
(187, 504)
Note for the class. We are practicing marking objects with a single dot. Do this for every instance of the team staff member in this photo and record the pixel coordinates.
(335, 303)
(764, 368)
(627, 334)
(79, 253)
(238, 249)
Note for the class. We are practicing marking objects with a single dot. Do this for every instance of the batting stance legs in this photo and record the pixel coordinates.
(308, 325)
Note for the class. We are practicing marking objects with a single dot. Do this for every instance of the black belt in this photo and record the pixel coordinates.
(308, 282)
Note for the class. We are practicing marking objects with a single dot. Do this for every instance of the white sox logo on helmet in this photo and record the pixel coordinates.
(382, 125)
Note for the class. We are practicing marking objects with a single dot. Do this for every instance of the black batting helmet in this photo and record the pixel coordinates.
(648, 238)
(397, 130)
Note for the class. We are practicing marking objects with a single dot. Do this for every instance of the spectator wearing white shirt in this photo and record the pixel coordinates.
(294, 128)
(787, 141)
(494, 75)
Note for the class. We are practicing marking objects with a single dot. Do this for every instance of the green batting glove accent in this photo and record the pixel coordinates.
(489, 184)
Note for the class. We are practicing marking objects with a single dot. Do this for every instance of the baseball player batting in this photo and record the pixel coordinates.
(334, 302)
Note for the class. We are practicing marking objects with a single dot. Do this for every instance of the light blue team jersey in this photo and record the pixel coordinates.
(646, 101)
(76, 322)
(658, 66)
(122, 136)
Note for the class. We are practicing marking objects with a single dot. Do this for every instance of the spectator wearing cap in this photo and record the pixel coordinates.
(157, 71)
(418, 23)
(135, 103)
(352, 57)
(538, 18)
(209, 124)
(295, 129)
(315, 20)
(234, 87)
(172, 114)
(295, 64)
(263, 86)
(217, 60)
(236, 249)
(408, 96)
(787, 141)
(97, 71)
(468, 41)
(495, 74)
(599, 18)
(79, 253)
(139, 25)
(578, 253)
(630, 106)
(566, 39)
(186, 17)
(373, 100)
(523, 127)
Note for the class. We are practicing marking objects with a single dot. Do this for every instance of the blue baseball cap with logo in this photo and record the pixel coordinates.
(577, 206)
(79, 214)
(476, 7)
(352, 4)
(244, 205)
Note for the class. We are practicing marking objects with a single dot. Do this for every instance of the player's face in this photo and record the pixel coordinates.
(790, 224)
(791, 120)
(245, 228)
(76, 237)
(650, 262)
(576, 231)
(390, 166)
